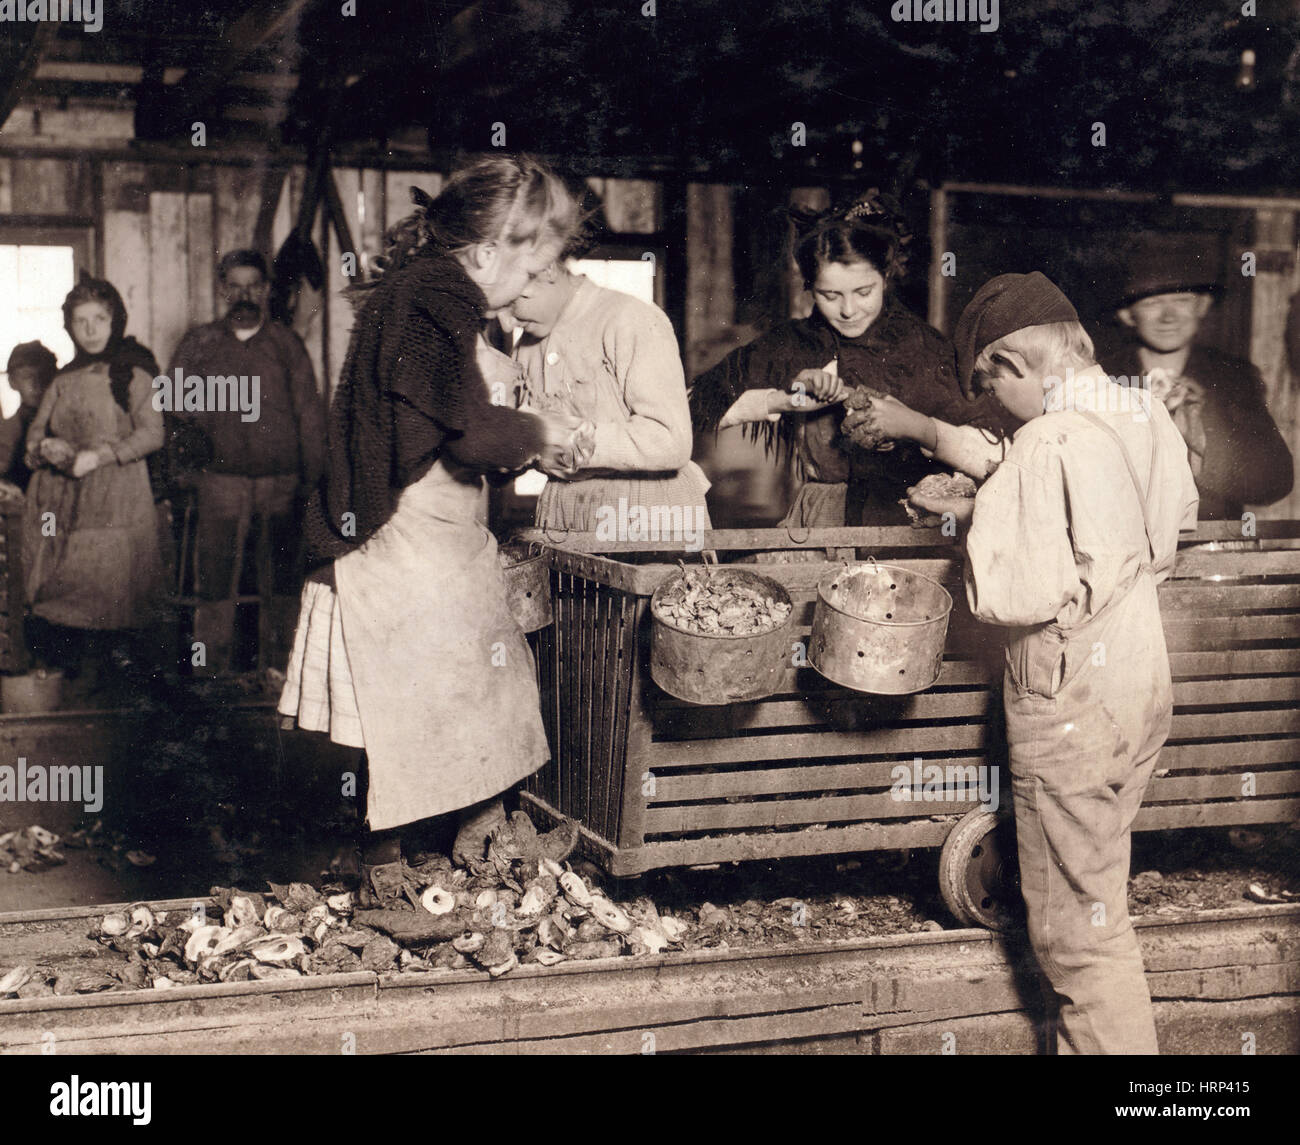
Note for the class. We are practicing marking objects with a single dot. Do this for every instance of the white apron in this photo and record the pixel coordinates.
(446, 691)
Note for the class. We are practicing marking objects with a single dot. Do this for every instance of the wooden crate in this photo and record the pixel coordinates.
(656, 782)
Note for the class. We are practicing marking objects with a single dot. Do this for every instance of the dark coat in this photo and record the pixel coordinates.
(1247, 462)
(410, 389)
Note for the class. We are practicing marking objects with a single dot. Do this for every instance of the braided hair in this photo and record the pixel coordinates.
(511, 198)
(869, 229)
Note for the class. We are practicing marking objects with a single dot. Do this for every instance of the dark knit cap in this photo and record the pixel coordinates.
(1003, 305)
(1160, 270)
(34, 356)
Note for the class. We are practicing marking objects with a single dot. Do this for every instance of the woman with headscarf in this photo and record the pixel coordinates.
(90, 536)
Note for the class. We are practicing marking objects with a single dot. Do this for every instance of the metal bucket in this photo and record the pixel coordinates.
(703, 668)
(880, 629)
(528, 586)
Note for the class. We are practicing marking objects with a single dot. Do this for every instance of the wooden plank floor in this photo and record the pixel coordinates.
(969, 990)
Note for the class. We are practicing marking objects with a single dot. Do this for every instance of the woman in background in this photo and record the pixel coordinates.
(90, 537)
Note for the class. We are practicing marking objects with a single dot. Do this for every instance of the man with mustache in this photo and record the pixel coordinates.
(260, 471)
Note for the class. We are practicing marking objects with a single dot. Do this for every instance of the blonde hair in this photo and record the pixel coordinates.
(514, 199)
(1053, 346)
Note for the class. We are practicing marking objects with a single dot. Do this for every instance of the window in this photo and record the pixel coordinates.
(632, 275)
(41, 275)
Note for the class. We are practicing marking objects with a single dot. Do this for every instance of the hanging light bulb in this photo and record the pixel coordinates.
(856, 148)
(1246, 74)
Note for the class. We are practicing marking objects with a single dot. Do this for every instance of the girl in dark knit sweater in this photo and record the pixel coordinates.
(405, 645)
(788, 384)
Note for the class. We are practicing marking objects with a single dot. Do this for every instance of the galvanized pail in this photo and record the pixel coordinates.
(528, 586)
(704, 668)
(880, 629)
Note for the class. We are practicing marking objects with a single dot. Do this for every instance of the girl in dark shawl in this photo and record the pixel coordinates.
(789, 384)
(91, 557)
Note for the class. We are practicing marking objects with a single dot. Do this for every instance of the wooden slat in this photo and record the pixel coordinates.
(783, 845)
(1249, 662)
(1218, 725)
(1163, 818)
(1240, 690)
(1175, 787)
(685, 723)
(778, 780)
(42, 186)
(756, 540)
(639, 749)
(1219, 598)
(889, 538)
(200, 257)
(601, 710)
(127, 265)
(586, 627)
(789, 812)
(539, 781)
(807, 745)
(926, 739)
(1209, 632)
(1186, 756)
(1201, 563)
(623, 781)
(168, 270)
(567, 651)
(1231, 531)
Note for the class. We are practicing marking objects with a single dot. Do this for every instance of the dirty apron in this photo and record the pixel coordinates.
(444, 679)
(1088, 711)
(628, 503)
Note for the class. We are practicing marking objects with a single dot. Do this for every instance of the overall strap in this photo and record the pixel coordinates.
(1128, 462)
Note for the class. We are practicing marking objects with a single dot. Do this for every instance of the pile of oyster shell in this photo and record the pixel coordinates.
(516, 905)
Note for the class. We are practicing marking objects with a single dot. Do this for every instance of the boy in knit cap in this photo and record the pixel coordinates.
(1068, 539)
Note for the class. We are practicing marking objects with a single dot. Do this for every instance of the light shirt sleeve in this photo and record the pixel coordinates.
(656, 435)
(1020, 567)
(975, 452)
(750, 406)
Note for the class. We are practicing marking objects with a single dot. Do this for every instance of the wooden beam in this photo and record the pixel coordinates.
(27, 65)
(938, 245)
(196, 94)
